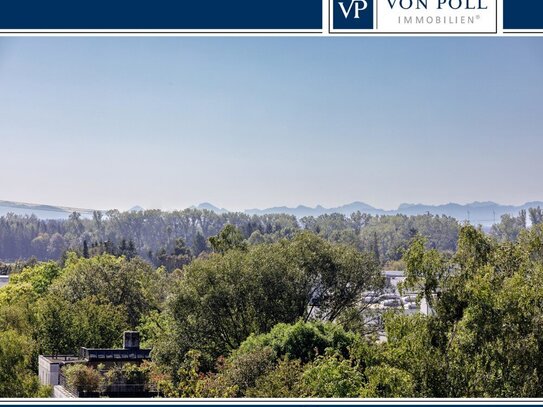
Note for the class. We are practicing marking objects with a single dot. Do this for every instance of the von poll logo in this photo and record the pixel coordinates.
(356, 5)
(415, 16)
(353, 14)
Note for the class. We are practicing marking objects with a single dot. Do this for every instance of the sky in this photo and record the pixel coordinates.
(160, 122)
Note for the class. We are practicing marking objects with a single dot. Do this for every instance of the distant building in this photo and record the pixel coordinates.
(51, 367)
(4, 280)
(425, 308)
(393, 278)
(391, 298)
(131, 353)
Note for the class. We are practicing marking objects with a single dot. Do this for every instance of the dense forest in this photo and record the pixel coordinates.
(173, 238)
(157, 236)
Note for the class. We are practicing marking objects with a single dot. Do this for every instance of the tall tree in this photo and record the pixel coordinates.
(223, 299)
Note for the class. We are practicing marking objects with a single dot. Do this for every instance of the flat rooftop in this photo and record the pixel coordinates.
(394, 273)
(62, 358)
(114, 354)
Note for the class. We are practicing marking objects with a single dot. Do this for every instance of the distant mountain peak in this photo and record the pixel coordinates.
(478, 204)
(136, 208)
(359, 206)
(210, 207)
(301, 211)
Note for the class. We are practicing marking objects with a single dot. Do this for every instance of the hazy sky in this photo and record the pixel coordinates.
(258, 122)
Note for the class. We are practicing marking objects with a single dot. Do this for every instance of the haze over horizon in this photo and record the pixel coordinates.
(266, 209)
(261, 122)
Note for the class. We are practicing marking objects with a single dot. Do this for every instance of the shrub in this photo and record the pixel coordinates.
(82, 378)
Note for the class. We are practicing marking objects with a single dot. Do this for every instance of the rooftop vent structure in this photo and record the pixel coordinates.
(131, 340)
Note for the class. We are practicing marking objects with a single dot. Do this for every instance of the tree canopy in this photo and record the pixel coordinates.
(224, 298)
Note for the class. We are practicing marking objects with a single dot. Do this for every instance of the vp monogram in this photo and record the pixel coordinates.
(356, 5)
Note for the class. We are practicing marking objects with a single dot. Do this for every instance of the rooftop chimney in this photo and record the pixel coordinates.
(131, 340)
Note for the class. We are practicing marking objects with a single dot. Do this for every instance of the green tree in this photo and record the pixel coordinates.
(424, 269)
(259, 365)
(388, 382)
(536, 215)
(510, 227)
(300, 341)
(223, 299)
(484, 336)
(38, 277)
(200, 244)
(331, 376)
(16, 377)
(281, 382)
(110, 279)
(85, 249)
(63, 327)
(229, 238)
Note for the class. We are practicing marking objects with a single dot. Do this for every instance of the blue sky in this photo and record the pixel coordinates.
(257, 122)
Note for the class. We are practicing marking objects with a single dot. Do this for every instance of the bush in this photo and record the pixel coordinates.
(82, 378)
(281, 382)
(302, 340)
(260, 366)
(331, 376)
(388, 382)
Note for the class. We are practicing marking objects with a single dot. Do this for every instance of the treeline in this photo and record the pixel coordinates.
(148, 232)
(511, 227)
(174, 238)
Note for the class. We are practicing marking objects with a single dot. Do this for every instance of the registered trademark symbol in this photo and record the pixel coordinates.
(477, 16)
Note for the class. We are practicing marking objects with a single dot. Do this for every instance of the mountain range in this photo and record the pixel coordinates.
(484, 213)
